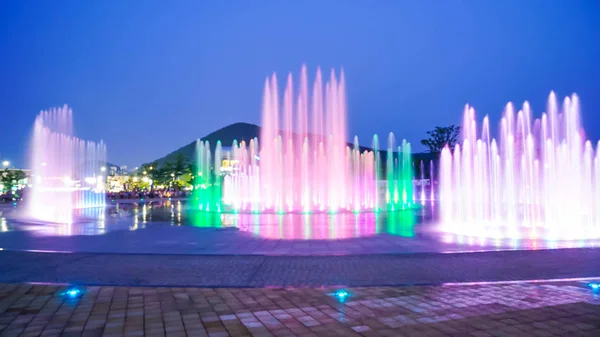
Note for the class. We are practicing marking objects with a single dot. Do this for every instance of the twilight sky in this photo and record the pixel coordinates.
(150, 76)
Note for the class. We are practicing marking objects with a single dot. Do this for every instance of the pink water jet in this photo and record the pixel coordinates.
(304, 163)
(67, 172)
(540, 180)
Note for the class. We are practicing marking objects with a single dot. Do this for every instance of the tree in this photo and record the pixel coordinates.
(9, 178)
(177, 168)
(160, 175)
(440, 137)
(180, 165)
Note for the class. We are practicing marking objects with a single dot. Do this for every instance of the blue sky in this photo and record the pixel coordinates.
(150, 76)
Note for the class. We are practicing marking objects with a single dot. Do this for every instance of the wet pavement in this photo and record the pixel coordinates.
(170, 227)
(157, 269)
(522, 309)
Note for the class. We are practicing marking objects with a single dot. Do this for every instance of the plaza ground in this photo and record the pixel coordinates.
(520, 309)
(149, 271)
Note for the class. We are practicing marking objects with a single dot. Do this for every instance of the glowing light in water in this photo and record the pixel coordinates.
(315, 226)
(66, 170)
(540, 180)
(304, 163)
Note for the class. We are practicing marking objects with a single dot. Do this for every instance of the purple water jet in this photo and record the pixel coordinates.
(67, 172)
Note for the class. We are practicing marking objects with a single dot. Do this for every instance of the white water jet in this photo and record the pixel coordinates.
(541, 179)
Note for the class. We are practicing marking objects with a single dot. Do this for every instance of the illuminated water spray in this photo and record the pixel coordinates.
(304, 163)
(540, 179)
(67, 172)
(207, 180)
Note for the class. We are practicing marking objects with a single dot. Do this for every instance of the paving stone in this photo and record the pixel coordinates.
(560, 308)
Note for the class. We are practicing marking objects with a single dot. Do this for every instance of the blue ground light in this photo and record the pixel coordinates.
(595, 286)
(73, 292)
(341, 295)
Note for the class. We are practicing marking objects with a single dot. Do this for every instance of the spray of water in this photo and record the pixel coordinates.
(541, 179)
(67, 172)
(304, 163)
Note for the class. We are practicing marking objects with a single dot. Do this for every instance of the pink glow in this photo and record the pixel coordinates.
(298, 168)
(541, 180)
(66, 171)
(293, 226)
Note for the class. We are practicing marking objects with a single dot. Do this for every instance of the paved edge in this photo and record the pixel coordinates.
(254, 271)
(394, 254)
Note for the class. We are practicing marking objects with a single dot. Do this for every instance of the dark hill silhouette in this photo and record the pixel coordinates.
(236, 131)
(245, 132)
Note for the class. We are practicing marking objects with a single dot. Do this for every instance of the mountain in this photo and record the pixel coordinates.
(237, 131)
(246, 132)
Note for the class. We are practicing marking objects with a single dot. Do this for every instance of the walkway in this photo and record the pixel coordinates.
(560, 309)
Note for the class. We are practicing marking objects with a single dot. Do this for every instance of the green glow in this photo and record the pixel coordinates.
(399, 176)
(400, 223)
(205, 219)
(207, 183)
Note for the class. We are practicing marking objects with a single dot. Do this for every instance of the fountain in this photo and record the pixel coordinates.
(540, 180)
(67, 172)
(207, 181)
(304, 163)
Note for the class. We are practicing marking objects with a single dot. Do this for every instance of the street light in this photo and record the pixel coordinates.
(5, 163)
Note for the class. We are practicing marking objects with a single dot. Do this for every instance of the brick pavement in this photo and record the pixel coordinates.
(521, 309)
